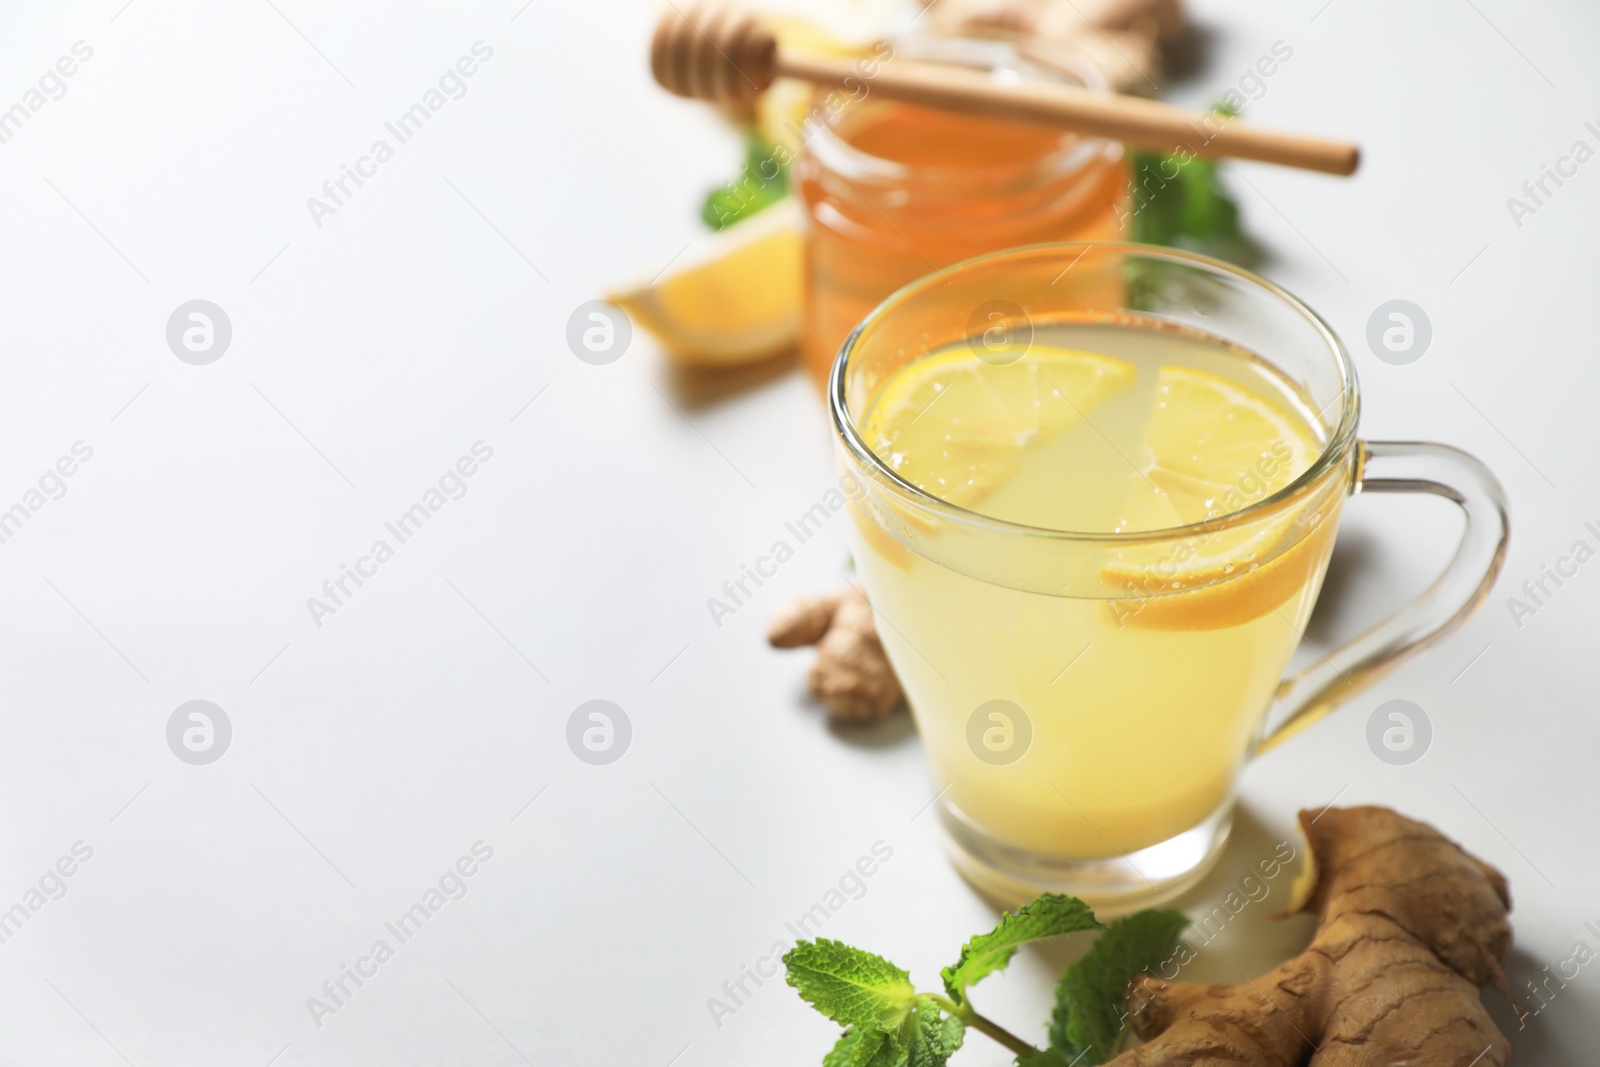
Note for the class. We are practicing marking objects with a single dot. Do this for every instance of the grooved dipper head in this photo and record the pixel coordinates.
(712, 53)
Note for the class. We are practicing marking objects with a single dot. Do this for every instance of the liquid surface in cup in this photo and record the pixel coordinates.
(1139, 701)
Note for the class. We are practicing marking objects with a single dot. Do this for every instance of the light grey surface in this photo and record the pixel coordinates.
(427, 314)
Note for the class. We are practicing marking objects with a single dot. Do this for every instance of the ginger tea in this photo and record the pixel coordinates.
(1099, 717)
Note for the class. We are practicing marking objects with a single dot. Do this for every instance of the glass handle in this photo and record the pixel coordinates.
(1405, 467)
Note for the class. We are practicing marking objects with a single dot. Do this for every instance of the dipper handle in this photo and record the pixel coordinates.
(722, 54)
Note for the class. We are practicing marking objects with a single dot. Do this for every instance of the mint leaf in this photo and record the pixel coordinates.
(1180, 201)
(931, 1035)
(1048, 916)
(866, 1047)
(1088, 1018)
(844, 1050)
(925, 1037)
(1183, 203)
(761, 182)
(849, 985)
(1045, 1058)
(889, 1052)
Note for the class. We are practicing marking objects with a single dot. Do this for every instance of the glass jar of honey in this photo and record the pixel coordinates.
(894, 191)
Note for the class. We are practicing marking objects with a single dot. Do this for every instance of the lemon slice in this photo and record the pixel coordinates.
(1210, 437)
(736, 301)
(1213, 447)
(956, 426)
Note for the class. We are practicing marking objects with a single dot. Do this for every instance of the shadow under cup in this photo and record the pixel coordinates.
(1086, 708)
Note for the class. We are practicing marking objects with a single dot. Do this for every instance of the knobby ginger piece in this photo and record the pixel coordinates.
(1125, 38)
(1410, 928)
(851, 677)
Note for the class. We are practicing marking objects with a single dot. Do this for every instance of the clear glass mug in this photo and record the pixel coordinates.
(1114, 780)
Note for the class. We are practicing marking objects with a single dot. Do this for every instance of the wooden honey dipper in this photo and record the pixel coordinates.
(719, 53)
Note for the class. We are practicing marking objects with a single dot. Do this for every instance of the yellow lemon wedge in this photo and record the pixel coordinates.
(987, 414)
(736, 300)
(1213, 448)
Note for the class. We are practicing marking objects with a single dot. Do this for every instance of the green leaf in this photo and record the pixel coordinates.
(844, 1049)
(1088, 1017)
(931, 1035)
(865, 1047)
(1180, 201)
(924, 1037)
(891, 1052)
(761, 182)
(1049, 916)
(1044, 1058)
(849, 985)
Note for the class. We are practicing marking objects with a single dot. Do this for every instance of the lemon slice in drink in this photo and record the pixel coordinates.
(736, 300)
(1209, 437)
(956, 426)
(1213, 447)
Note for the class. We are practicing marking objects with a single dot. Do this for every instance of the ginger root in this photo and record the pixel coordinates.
(1410, 928)
(851, 677)
(1127, 39)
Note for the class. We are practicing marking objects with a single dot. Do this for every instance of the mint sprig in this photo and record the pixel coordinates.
(888, 1023)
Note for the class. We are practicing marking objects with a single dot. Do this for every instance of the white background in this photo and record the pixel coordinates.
(368, 354)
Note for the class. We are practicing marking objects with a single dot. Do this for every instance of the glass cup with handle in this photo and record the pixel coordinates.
(1098, 488)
